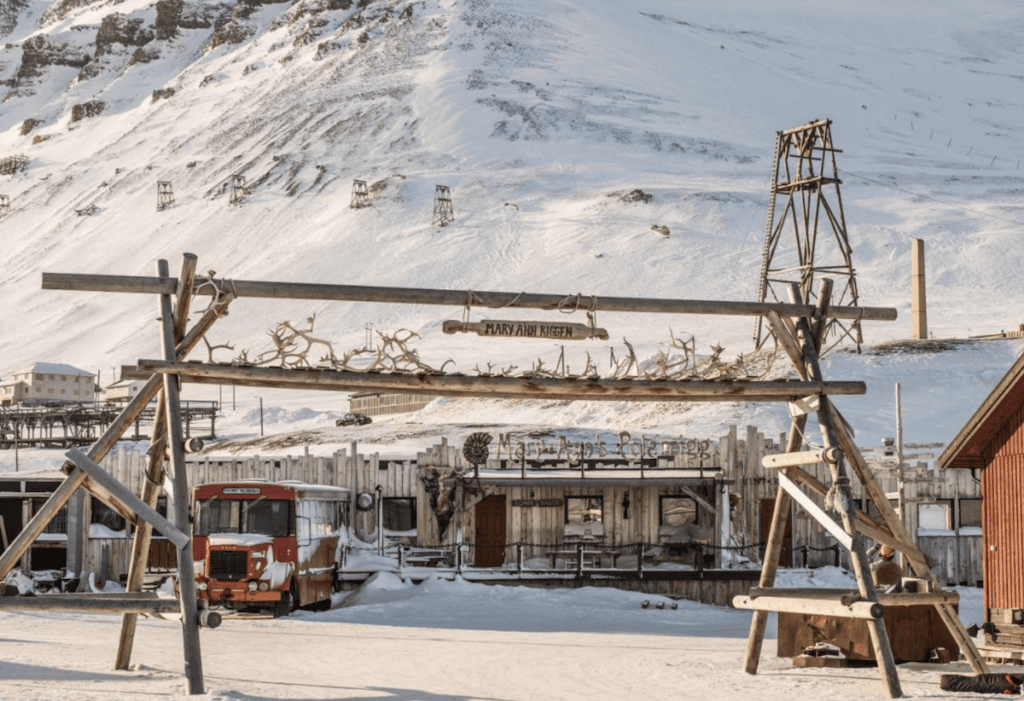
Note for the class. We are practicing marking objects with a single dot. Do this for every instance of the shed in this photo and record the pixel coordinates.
(992, 443)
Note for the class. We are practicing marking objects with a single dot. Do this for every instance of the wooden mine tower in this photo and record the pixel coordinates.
(807, 239)
(443, 212)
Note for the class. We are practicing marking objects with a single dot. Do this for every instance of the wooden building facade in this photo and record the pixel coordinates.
(991, 444)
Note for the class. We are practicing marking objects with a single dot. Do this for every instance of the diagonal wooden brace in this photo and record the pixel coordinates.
(119, 491)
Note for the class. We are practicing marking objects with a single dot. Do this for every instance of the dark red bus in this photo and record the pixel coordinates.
(268, 545)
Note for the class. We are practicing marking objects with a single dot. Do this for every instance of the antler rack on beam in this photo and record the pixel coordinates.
(509, 387)
(456, 298)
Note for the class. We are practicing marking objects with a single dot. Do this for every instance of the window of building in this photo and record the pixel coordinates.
(399, 515)
(584, 510)
(970, 513)
(59, 523)
(934, 517)
(103, 515)
(676, 510)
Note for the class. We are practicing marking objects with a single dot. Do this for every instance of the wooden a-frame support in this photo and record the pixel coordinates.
(84, 472)
(801, 338)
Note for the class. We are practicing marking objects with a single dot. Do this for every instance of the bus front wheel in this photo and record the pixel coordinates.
(286, 604)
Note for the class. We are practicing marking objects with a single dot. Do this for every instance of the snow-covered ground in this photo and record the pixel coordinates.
(450, 640)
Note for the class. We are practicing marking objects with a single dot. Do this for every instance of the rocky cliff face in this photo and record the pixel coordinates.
(40, 53)
(9, 11)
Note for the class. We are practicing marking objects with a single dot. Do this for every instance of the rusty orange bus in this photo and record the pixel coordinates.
(268, 545)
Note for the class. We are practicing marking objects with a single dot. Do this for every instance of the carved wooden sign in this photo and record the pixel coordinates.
(565, 331)
(537, 502)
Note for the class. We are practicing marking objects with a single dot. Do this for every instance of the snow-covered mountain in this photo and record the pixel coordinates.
(541, 116)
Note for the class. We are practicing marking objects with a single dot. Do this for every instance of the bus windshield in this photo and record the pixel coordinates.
(262, 516)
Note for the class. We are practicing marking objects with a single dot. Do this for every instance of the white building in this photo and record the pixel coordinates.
(48, 383)
(123, 391)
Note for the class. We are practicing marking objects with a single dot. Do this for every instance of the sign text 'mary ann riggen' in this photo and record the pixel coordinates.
(565, 331)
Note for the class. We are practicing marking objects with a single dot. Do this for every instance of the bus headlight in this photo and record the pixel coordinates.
(201, 586)
(264, 585)
(252, 586)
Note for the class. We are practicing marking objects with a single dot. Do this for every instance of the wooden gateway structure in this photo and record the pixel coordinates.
(991, 444)
(799, 328)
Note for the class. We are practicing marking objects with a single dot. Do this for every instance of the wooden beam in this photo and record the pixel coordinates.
(449, 298)
(697, 498)
(144, 511)
(183, 294)
(816, 512)
(784, 335)
(773, 550)
(522, 387)
(143, 534)
(919, 598)
(180, 503)
(870, 610)
(846, 596)
(865, 524)
(91, 603)
(807, 457)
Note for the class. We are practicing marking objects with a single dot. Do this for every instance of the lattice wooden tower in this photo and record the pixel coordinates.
(443, 212)
(807, 240)
(239, 190)
(5, 205)
(360, 195)
(13, 164)
(164, 195)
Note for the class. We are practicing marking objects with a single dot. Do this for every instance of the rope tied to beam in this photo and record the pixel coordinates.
(576, 302)
(835, 500)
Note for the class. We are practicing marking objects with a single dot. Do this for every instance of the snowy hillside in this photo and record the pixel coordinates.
(539, 115)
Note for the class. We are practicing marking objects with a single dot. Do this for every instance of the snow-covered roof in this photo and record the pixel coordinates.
(54, 368)
(125, 383)
(11, 383)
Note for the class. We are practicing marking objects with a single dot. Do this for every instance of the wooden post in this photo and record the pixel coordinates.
(180, 500)
(844, 504)
(773, 550)
(460, 497)
(918, 303)
(154, 474)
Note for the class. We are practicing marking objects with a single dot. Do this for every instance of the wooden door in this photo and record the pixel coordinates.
(490, 531)
(767, 509)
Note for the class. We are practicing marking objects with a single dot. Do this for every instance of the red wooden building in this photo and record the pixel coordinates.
(991, 444)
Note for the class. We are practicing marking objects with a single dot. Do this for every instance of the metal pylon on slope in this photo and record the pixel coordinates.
(360, 195)
(443, 212)
(805, 173)
(164, 195)
(239, 189)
